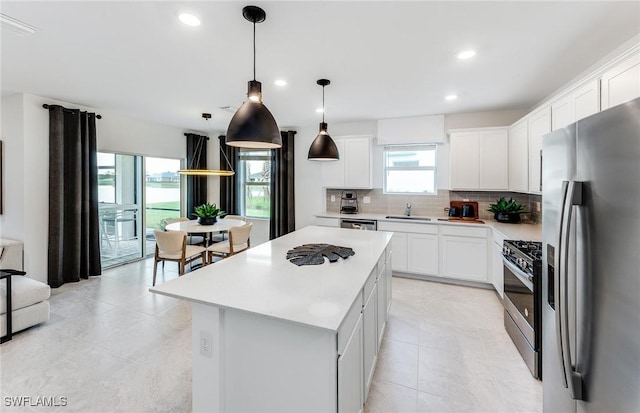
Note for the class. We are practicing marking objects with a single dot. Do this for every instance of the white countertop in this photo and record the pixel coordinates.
(528, 232)
(262, 281)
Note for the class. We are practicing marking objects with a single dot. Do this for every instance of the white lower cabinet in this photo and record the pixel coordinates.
(423, 253)
(350, 373)
(399, 244)
(328, 222)
(497, 269)
(370, 337)
(463, 253)
(415, 246)
(381, 306)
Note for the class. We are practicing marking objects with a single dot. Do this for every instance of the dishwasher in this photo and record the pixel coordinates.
(363, 224)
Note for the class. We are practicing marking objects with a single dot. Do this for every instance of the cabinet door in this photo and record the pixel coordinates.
(518, 157)
(333, 171)
(496, 268)
(399, 248)
(357, 166)
(464, 160)
(586, 100)
(370, 336)
(562, 112)
(622, 83)
(350, 373)
(539, 125)
(463, 258)
(381, 307)
(494, 160)
(422, 254)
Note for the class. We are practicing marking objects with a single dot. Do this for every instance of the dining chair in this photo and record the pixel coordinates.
(221, 236)
(172, 246)
(194, 238)
(238, 241)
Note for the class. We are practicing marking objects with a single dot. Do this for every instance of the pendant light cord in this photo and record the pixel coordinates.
(254, 50)
(322, 104)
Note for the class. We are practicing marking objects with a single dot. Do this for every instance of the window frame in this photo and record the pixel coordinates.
(243, 183)
(410, 147)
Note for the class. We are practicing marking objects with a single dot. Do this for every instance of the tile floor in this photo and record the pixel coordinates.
(110, 345)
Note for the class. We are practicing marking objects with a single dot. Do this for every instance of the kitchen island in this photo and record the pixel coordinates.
(270, 336)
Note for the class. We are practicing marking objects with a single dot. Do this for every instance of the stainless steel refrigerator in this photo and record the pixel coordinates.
(591, 264)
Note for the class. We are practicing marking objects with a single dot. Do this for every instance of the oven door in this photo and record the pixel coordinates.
(519, 300)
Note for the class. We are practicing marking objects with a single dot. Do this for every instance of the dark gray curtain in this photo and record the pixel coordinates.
(228, 184)
(196, 159)
(282, 188)
(74, 235)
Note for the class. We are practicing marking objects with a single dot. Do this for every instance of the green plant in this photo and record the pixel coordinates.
(207, 211)
(502, 206)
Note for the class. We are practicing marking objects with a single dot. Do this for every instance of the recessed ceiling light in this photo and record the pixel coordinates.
(280, 82)
(189, 19)
(466, 54)
(451, 97)
(319, 110)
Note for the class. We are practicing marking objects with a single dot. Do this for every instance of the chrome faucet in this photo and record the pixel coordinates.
(407, 210)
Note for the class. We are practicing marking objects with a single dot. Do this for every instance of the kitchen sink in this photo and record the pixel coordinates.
(408, 218)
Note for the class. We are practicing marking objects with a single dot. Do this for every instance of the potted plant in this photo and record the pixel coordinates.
(207, 213)
(507, 211)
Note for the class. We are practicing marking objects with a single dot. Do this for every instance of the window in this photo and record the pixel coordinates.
(410, 169)
(254, 181)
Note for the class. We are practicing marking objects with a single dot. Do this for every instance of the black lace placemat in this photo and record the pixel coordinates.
(313, 254)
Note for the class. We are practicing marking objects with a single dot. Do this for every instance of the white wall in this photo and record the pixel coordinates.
(25, 131)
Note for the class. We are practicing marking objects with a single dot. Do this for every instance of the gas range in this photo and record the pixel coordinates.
(523, 300)
(526, 255)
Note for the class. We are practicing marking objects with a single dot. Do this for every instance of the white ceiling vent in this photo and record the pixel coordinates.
(16, 26)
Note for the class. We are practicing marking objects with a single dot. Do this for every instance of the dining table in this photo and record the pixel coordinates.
(192, 227)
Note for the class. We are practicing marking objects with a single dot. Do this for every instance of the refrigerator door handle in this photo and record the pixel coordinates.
(572, 200)
(559, 264)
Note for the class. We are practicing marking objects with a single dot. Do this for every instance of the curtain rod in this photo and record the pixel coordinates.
(47, 107)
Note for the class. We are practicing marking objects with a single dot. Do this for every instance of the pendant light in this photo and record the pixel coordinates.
(253, 126)
(196, 155)
(323, 148)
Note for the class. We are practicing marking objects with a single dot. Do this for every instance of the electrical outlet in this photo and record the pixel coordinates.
(366, 199)
(333, 198)
(465, 199)
(205, 344)
(537, 206)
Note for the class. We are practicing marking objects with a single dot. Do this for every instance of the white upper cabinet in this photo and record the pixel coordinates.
(479, 159)
(622, 83)
(519, 157)
(539, 125)
(411, 130)
(353, 169)
(576, 105)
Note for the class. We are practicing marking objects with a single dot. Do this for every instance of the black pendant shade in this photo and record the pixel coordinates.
(253, 126)
(323, 148)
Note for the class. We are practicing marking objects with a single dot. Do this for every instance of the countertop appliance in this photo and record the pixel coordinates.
(522, 302)
(349, 202)
(591, 256)
(364, 224)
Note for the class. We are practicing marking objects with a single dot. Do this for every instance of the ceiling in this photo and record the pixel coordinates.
(384, 59)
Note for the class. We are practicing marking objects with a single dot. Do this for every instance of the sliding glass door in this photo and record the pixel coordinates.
(120, 206)
(162, 194)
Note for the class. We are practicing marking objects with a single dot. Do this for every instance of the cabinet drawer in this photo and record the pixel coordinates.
(407, 227)
(368, 286)
(461, 231)
(349, 322)
(328, 222)
(498, 237)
